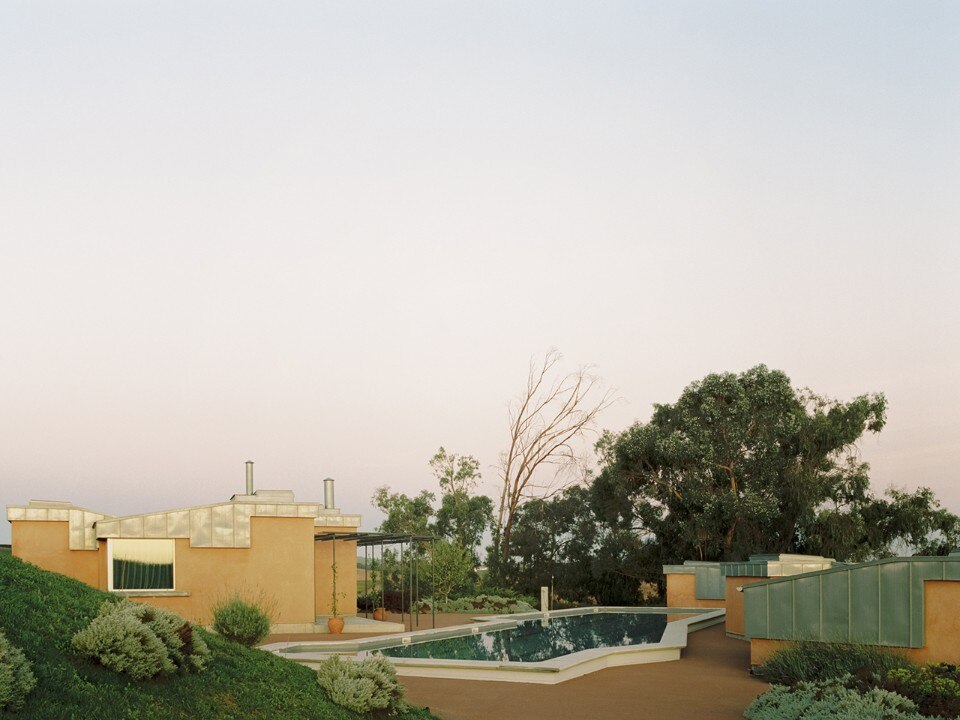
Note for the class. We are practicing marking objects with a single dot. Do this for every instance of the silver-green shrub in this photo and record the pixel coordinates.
(141, 641)
(119, 641)
(241, 620)
(185, 648)
(16, 677)
(362, 685)
(830, 700)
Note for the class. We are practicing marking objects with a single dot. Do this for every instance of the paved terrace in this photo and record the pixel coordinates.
(710, 682)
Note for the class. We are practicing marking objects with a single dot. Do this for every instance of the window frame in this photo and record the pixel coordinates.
(173, 573)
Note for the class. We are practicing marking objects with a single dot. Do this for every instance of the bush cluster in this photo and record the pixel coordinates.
(837, 699)
(854, 681)
(934, 688)
(241, 620)
(16, 677)
(478, 604)
(141, 641)
(363, 686)
(806, 661)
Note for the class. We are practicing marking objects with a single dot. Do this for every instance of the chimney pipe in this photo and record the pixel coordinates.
(328, 494)
(249, 477)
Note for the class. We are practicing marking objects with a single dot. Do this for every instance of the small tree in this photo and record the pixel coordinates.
(450, 567)
(405, 515)
(455, 473)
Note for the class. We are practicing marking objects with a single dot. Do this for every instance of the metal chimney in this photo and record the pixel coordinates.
(328, 494)
(249, 477)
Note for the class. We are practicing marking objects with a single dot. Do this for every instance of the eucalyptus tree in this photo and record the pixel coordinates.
(745, 463)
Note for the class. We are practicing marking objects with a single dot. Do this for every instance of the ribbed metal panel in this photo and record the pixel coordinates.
(877, 603)
(709, 583)
(201, 527)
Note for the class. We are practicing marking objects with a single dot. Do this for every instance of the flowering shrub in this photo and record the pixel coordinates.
(16, 677)
(141, 641)
(362, 685)
(830, 700)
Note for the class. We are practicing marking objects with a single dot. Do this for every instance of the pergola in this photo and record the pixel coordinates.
(409, 587)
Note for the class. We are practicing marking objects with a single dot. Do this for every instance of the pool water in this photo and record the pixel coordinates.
(542, 639)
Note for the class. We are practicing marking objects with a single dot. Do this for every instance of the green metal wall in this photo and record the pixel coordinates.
(878, 603)
(710, 584)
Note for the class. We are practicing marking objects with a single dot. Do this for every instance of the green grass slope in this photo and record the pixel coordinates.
(40, 611)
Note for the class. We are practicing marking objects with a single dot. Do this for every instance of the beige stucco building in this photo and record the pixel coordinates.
(261, 544)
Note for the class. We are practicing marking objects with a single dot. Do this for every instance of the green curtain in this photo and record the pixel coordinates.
(134, 575)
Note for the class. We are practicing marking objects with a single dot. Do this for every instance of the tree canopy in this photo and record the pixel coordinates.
(744, 463)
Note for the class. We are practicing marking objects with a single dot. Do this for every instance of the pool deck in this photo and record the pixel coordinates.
(711, 681)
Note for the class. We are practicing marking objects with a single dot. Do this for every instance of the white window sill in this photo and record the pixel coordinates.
(151, 593)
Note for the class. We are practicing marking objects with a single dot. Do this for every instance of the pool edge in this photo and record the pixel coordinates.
(549, 672)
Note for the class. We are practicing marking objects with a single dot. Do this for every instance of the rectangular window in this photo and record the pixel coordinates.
(140, 564)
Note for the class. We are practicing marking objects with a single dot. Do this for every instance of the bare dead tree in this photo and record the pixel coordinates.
(546, 423)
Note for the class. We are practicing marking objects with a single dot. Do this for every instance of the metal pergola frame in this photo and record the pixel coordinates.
(368, 540)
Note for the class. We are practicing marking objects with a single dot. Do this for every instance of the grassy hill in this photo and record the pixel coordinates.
(40, 611)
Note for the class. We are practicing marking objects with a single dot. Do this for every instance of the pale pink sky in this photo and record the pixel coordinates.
(329, 237)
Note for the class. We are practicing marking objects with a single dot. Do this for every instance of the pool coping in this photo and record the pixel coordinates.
(551, 671)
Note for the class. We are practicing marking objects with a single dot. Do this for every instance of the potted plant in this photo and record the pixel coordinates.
(376, 600)
(335, 622)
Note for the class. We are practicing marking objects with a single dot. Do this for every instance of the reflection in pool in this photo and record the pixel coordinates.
(542, 639)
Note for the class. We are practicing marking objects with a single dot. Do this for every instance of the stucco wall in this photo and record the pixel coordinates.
(278, 564)
(346, 574)
(682, 592)
(735, 622)
(941, 628)
(46, 544)
(941, 623)
(283, 563)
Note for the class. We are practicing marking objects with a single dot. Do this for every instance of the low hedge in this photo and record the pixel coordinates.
(807, 661)
(837, 699)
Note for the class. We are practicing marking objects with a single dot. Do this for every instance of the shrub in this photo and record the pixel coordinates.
(16, 677)
(242, 620)
(185, 648)
(837, 699)
(362, 685)
(141, 640)
(479, 604)
(119, 641)
(805, 660)
(504, 593)
(934, 688)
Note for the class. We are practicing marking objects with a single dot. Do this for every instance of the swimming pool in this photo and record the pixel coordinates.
(540, 639)
(534, 647)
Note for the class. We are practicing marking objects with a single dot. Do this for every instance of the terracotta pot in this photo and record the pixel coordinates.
(379, 614)
(335, 625)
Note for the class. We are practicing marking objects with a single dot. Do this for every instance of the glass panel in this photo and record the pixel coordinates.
(142, 564)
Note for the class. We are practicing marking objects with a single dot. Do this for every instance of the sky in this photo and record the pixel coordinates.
(330, 237)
